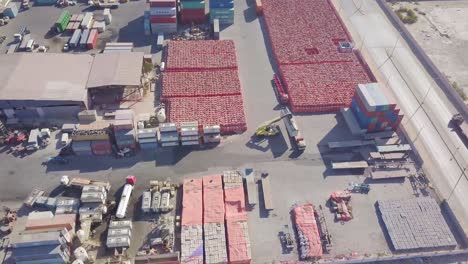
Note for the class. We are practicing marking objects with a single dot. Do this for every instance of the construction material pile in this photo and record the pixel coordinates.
(318, 66)
(238, 240)
(192, 222)
(310, 246)
(201, 83)
(416, 224)
(214, 231)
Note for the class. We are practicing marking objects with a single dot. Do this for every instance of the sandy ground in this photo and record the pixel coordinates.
(442, 31)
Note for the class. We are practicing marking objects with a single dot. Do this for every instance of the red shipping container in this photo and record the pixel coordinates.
(162, 3)
(93, 35)
(163, 19)
(101, 147)
(193, 12)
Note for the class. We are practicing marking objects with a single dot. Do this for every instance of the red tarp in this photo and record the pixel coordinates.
(304, 218)
(213, 199)
(318, 77)
(192, 202)
(201, 54)
(236, 225)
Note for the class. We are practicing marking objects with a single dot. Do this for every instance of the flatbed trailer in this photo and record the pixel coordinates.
(388, 156)
(394, 148)
(349, 165)
(349, 144)
(267, 195)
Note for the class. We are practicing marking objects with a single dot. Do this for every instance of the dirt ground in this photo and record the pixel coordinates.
(442, 31)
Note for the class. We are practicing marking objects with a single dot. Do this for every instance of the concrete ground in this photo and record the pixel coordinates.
(296, 178)
(442, 31)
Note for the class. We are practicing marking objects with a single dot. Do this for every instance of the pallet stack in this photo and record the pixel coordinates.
(222, 10)
(189, 133)
(372, 109)
(319, 73)
(214, 231)
(201, 83)
(192, 222)
(147, 138)
(192, 11)
(238, 239)
(163, 16)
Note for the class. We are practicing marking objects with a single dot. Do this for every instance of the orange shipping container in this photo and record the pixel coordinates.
(58, 221)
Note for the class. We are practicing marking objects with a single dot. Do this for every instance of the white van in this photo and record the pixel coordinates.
(33, 140)
(64, 139)
(30, 45)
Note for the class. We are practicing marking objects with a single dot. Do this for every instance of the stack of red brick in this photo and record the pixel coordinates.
(201, 83)
(317, 76)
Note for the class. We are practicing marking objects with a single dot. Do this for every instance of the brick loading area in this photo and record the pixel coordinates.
(201, 83)
(317, 76)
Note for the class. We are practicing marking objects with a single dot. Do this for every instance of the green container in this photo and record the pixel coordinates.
(192, 4)
(63, 17)
(222, 11)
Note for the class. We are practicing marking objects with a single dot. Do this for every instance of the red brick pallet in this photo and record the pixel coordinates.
(317, 76)
(199, 55)
(227, 111)
(202, 83)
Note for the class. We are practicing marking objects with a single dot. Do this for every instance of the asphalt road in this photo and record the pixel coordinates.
(427, 109)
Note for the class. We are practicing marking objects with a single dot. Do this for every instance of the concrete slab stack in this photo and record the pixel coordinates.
(373, 110)
(214, 231)
(223, 10)
(192, 222)
(147, 138)
(192, 11)
(163, 16)
(416, 224)
(238, 239)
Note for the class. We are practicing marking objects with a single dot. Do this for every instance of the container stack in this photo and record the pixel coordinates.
(192, 222)
(91, 139)
(84, 38)
(192, 11)
(75, 22)
(214, 231)
(222, 10)
(67, 206)
(87, 21)
(75, 39)
(168, 135)
(211, 134)
(372, 109)
(124, 131)
(189, 133)
(46, 239)
(163, 16)
(238, 239)
(11, 10)
(93, 199)
(148, 139)
(119, 234)
(62, 22)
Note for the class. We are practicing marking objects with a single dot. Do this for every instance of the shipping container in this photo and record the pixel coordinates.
(118, 242)
(93, 35)
(146, 202)
(45, 2)
(11, 10)
(163, 19)
(160, 41)
(84, 38)
(87, 21)
(75, 39)
(163, 11)
(162, 3)
(192, 4)
(121, 224)
(24, 42)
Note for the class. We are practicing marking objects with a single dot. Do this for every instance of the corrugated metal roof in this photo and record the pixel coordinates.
(116, 68)
(49, 76)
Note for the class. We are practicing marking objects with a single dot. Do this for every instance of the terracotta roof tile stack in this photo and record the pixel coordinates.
(317, 74)
(201, 83)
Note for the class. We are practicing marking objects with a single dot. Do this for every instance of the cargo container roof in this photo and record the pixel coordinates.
(44, 76)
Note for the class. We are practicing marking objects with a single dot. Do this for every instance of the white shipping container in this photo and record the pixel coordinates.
(146, 202)
(163, 11)
(119, 232)
(125, 198)
(121, 224)
(156, 203)
(114, 242)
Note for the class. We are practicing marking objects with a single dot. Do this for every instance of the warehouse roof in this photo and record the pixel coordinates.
(116, 68)
(50, 76)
